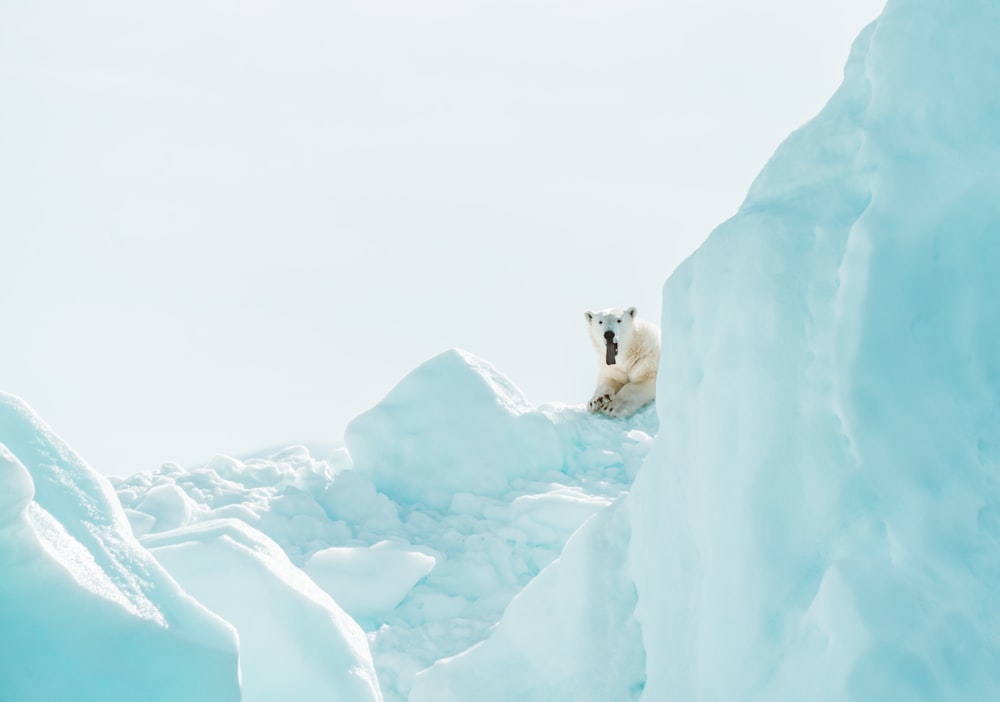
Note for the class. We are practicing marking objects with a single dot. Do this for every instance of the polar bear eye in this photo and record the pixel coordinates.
(619, 321)
(600, 321)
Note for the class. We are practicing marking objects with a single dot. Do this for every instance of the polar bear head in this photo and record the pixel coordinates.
(611, 331)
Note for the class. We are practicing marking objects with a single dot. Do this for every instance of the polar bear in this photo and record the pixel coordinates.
(628, 356)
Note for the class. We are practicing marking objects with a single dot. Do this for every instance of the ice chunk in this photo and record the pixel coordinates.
(295, 642)
(85, 612)
(551, 515)
(368, 580)
(169, 506)
(569, 635)
(455, 424)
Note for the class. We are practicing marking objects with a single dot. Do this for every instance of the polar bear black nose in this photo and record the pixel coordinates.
(609, 335)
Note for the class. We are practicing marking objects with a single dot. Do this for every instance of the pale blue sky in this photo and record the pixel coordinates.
(227, 226)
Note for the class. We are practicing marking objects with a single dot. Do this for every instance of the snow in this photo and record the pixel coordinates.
(295, 641)
(18, 489)
(85, 611)
(409, 445)
(817, 518)
(569, 635)
(811, 511)
(369, 580)
(426, 572)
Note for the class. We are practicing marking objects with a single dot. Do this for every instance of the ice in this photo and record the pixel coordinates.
(169, 503)
(371, 580)
(425, 578)
(569, 635)
(455, 425)
(85, 612)
(18, 489)
(817, 518)
(295, 641)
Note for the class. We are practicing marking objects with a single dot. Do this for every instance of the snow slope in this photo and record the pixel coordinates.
(86, 613)
(454, 492)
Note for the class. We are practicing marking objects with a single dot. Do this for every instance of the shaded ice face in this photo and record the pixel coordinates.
(610, 329)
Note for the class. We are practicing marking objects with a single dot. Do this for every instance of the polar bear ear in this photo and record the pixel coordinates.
(630, 312)
(589, 315)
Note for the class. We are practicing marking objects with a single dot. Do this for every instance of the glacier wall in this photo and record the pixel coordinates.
(818, 518)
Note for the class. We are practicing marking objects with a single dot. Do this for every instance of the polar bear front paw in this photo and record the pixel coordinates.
(618, 407)
(599, 403)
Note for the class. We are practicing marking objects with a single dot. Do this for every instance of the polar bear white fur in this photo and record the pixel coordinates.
(628, 356)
